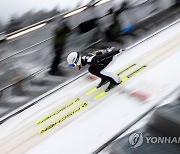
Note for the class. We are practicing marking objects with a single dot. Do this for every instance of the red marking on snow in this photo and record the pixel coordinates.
(140, 95)
(92, 77)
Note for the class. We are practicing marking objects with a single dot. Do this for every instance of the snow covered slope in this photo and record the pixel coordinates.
(79, 119)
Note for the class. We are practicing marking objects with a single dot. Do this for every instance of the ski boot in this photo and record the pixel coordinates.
(111, 86)
(103, 82)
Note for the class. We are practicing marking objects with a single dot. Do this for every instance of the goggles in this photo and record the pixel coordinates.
(72, 65)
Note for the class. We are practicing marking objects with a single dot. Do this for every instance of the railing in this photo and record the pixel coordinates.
(131, 5)
(24, 50)
(46, 21)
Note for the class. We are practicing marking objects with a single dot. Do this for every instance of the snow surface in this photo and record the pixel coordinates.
(110, 114)
(92, 129)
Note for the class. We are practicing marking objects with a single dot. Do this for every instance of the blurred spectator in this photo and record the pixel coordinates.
(88, 25)
(116, 29)
(13, 25)
(60, 33)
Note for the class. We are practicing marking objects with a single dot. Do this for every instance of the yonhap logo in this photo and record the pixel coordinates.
(136, 139)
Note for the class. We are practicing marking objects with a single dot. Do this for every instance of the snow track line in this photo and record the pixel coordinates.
(94, 99)
(76, 100)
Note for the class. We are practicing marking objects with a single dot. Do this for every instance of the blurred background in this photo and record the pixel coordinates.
(36, 37)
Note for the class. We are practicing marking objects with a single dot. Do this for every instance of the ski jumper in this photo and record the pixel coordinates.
(99, 62)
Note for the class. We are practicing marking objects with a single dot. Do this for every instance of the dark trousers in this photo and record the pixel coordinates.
(96, 71)
(56, 60)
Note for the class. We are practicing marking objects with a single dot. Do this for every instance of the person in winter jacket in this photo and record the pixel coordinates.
(61, 33)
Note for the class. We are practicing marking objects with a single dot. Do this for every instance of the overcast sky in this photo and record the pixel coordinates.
(11, 7)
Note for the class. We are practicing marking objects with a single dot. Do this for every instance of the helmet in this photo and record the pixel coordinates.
(74, 59)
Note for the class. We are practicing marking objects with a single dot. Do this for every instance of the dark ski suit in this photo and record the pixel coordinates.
(99, 62)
